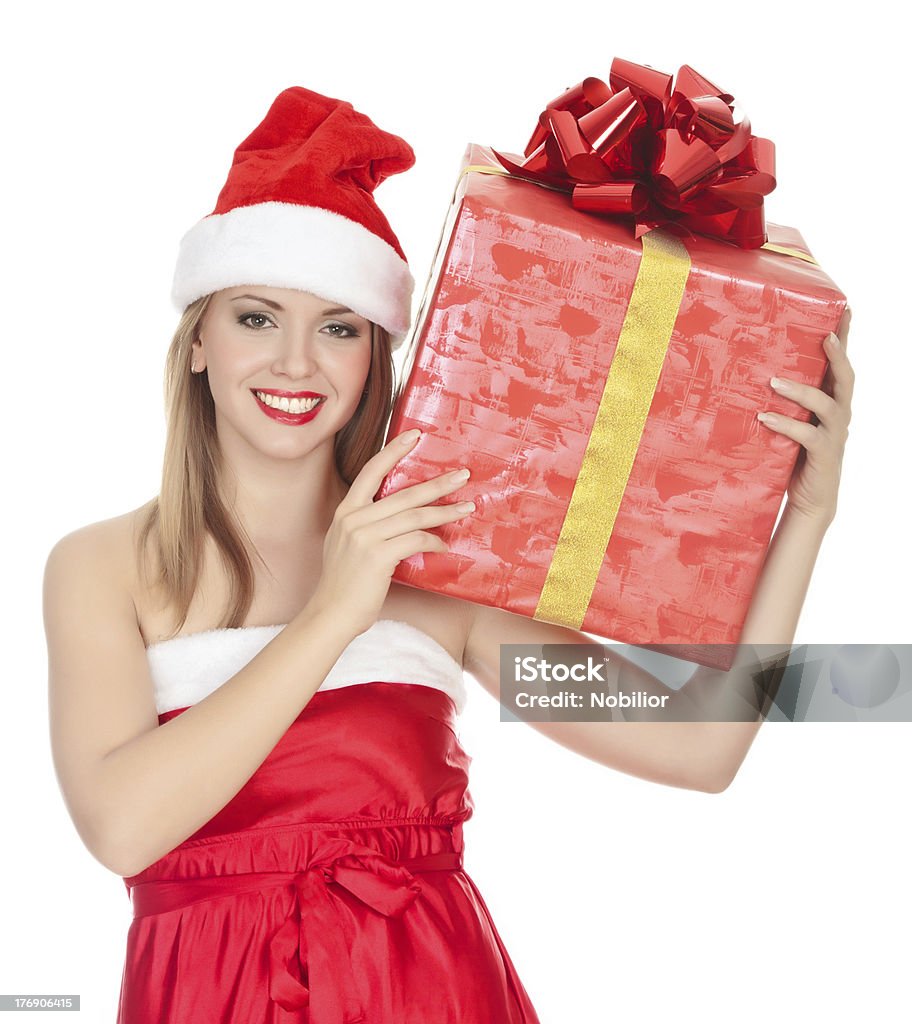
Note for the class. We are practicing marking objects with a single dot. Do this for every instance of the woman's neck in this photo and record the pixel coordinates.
(283, 501)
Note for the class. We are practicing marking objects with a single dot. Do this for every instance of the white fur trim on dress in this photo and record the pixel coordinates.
(287, 245)
(188, 668)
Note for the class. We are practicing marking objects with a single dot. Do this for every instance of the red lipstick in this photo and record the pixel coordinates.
(291, 418)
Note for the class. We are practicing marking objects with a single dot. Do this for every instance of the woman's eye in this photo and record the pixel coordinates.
(351, 332)
(248, 318)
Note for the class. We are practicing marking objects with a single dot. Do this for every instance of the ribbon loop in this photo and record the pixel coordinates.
(309, 956)
(668, 153)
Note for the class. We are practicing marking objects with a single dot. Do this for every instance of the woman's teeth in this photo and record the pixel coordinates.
(287, 404)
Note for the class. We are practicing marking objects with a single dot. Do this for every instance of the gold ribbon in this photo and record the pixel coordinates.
(619, 423)
(790, 252)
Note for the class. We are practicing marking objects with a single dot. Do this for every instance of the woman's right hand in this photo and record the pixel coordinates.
(367, 539)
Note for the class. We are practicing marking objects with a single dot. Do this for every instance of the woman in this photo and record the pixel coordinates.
(250, 721)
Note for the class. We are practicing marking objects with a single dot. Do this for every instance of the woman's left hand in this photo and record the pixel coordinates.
(814, 484)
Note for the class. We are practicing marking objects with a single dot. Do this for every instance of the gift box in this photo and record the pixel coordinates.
(603, 386)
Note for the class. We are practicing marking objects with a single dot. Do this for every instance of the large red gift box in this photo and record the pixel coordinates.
(623, 485)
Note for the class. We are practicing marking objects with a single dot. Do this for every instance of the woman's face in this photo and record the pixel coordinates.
(269, 352)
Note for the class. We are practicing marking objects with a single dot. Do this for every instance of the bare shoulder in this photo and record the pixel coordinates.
(106, 537)
(101, 553)
(89, 591)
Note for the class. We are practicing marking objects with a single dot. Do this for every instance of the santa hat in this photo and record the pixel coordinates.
(298, 211)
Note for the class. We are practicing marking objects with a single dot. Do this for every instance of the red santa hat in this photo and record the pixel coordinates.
(298, 211)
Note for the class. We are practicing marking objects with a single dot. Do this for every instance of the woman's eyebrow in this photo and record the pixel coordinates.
(275, 305)
(259, 298)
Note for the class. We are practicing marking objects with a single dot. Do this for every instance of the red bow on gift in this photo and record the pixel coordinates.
(665, 153)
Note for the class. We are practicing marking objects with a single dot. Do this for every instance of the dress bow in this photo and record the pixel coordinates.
(309, 956)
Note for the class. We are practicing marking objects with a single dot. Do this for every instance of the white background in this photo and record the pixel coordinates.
(785, 898)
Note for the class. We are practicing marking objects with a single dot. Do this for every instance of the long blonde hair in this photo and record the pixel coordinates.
(190, 504)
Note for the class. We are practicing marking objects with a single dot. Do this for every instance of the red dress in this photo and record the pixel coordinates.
(330, 889)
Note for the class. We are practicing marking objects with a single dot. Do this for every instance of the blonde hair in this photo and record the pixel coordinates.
(190, 502)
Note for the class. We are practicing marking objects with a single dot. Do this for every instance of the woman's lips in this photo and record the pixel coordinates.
(291, 418)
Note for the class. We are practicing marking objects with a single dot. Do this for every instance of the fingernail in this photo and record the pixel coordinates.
(833, 339)
(410, 436)
(777, 383)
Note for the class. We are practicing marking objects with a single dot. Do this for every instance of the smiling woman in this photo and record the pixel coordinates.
(212, 408)
(246, 353)
(252, 723)
(255, 725)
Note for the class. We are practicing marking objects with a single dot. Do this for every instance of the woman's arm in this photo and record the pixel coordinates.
(135, 789)
(702, 752)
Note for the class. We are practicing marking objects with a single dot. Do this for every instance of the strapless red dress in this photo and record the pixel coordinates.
(331, 888)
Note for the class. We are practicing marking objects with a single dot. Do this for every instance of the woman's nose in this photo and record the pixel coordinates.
(297, 356)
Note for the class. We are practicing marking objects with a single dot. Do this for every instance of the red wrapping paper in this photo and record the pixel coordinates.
(504, 374)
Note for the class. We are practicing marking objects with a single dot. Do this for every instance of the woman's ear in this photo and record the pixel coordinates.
(197, 356)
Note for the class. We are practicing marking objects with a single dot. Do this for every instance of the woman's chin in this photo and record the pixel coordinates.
(292, 449)
(271, 439)
(288, 445)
